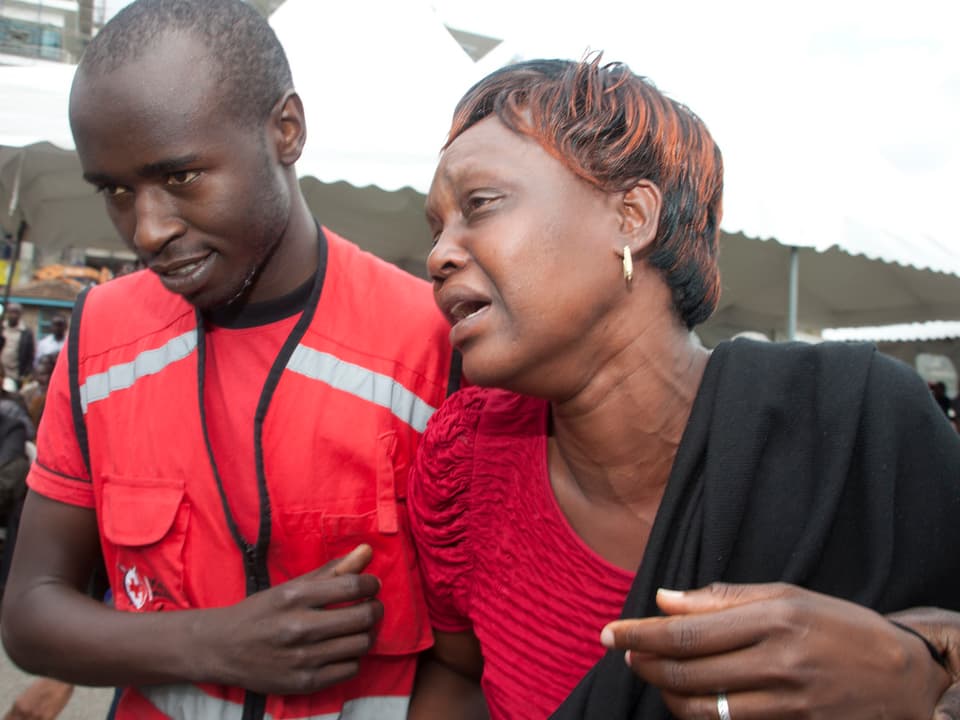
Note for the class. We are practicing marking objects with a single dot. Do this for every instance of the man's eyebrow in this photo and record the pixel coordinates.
(95, 178)
(170, 165)
(161, 167)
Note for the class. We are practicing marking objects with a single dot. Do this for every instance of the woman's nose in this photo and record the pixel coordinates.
(447, 256)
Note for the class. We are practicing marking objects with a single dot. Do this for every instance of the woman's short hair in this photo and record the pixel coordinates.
(613, 128)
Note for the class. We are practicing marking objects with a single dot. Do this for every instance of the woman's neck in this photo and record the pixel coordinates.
(618, 436)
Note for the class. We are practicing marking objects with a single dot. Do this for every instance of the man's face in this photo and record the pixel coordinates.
(201, 200)
(13, 315)
(58, 327)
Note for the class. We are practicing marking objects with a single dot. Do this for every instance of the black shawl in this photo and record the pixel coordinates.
(827, 466)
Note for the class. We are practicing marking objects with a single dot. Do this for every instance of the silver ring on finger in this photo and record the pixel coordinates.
(723, 707)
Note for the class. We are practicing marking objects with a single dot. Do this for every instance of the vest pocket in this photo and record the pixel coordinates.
(145, 521)
(405, 628)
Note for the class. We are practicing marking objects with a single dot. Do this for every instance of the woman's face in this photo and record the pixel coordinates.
(524, 262)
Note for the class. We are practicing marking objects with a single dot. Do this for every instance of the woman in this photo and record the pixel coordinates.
(575, 214)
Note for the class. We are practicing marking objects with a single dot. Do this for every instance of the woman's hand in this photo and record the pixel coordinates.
(780, 651)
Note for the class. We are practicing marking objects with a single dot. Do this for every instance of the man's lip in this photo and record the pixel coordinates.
(186, 276)
(175, 265)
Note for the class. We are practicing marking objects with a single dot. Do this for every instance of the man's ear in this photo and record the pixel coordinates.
(289, 127)
(639, 209)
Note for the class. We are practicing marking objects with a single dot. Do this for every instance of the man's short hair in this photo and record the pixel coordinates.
(253, 68)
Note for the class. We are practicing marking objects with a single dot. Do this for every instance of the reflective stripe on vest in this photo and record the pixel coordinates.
(149, 362)
(187, 702)
(356, 380)
(365, 384)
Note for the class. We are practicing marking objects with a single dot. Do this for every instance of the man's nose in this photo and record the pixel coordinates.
(157, 219)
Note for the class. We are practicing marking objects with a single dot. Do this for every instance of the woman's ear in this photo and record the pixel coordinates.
(289, 126)
(640, 215)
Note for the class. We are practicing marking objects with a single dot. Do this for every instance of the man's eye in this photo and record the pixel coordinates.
(184, 177)
(112, 191)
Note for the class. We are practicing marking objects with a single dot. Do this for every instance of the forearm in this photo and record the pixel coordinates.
(52, 627)
(90, 643)
(295, 638)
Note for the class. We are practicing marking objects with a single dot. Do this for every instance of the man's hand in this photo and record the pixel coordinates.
(298, 637)
(942, 628)
(778, 651)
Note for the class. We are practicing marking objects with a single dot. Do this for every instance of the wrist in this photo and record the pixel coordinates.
(199, 656)
(927, 668)
(936, 655)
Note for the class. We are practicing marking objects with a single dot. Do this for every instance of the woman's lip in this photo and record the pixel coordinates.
(464, 309)
(461, 330)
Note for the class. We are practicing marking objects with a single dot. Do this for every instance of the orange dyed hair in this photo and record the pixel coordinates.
(613, 128)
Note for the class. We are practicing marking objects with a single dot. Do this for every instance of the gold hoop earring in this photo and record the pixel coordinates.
(627, 263)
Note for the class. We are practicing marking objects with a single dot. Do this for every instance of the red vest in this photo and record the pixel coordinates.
(336, 430)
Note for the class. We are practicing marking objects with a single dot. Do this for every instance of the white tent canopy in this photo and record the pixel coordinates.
(379, 79)
(834, 289)
(34, 107)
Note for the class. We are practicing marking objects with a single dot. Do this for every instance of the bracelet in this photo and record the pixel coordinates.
(938, 657)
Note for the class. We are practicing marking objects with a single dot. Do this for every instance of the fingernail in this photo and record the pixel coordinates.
(670, 594)
(606, 637)
(626, 657)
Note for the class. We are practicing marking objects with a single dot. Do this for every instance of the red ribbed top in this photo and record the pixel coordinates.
(498, 555)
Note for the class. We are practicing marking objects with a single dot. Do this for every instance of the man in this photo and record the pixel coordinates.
(18, 346)
(233, 426)
(53, 341)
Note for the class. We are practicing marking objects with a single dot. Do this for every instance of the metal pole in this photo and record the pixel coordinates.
(13, 268)
(792, 293)
(11, 208)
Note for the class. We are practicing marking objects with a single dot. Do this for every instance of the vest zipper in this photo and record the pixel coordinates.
(254, 703)
(255, 556)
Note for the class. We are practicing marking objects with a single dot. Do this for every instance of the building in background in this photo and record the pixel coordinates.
(45, 30)
(58, 30)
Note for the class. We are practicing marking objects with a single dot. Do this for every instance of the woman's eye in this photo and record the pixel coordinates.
(475, 202)
(184, 177)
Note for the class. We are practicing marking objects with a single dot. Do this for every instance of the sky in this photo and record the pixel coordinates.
(861, 98)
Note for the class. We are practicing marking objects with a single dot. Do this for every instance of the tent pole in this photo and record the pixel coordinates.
(792, 293)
